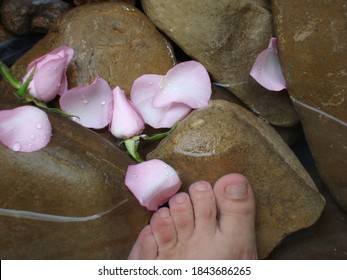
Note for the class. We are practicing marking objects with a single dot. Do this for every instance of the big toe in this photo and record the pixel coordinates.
(236, 208)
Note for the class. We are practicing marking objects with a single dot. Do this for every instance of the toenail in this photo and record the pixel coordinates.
(201, 186)
(236, 191)
(164, 213)
(180, 197)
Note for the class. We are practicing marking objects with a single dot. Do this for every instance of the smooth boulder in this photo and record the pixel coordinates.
(317, 81)
(226, 36)
(225, 138)
(112, 40)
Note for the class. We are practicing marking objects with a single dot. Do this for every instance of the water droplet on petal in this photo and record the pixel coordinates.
(32, 136)
(16, 146)
(259, 71)
(150, 82)
(30, 146)
(103, 103)
(85, 101)
(38, 126)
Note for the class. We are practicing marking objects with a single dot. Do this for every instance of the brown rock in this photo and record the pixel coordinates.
(290, 135)
(67, 200)
(3, 33)
(26, 16)
(317, 80)
(112, 40)
(223, 138)
(82, 2)
(226, 36)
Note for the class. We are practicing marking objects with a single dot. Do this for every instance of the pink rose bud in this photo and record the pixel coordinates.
(25, 129)
(49, 78)
(126, 121)
(267, 69)
(91, 104)
(152, 182)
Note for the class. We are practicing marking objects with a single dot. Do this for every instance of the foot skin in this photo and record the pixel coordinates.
(208, 223)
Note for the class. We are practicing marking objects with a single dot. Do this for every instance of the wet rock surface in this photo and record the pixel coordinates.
(67, 200)
(67, 231)
(326, 239)
(317, 81)
(226, 37)
(26, 16)
(112, 40)
(287, 199)
(82, 2)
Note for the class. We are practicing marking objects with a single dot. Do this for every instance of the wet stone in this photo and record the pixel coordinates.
(233, 140)
(317, 81)
(226, 36)
(67, 200)
(112, 40)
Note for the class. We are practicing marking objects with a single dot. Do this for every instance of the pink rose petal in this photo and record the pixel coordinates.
(126, 121)
(188, 83)
(90, 103)
(267, 69)
(142, 93)
(152, 182)
(46, 84)
(49, 78)
(25, 129)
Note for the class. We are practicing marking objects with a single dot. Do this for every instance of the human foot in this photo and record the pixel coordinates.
(208, 223)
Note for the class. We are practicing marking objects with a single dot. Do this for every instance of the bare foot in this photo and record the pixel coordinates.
(208, 223)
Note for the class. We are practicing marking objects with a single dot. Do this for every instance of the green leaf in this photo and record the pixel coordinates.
(159, 136)
(8, 76)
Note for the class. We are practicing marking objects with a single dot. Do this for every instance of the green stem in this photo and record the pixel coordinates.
(159, 136)
(8, 76)
(23, 89)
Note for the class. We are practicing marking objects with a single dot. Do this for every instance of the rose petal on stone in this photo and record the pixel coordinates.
(188, 82)
(126, 120)
(267, 69)
(152, 182)
(25, 129)
(142, 93)
(91, 104)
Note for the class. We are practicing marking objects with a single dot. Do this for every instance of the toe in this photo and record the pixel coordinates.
(145, 247)
(236, 207)
(204, 207)
(181, 210)
(163, 229)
